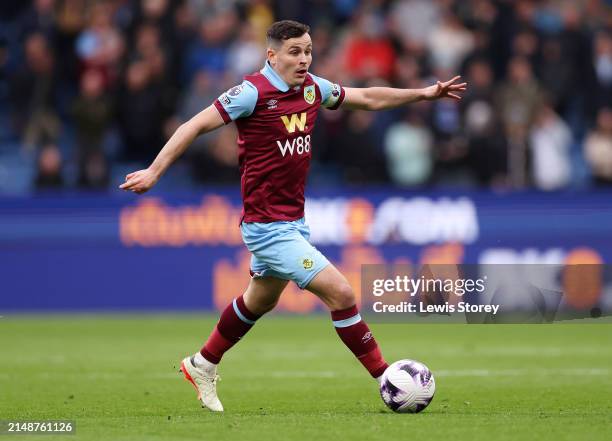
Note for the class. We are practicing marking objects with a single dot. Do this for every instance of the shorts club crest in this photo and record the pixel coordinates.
(307, 263)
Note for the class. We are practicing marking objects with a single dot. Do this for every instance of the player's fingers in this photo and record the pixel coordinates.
(132, 183)
(452, 95)
(457, 86)
(451, 81)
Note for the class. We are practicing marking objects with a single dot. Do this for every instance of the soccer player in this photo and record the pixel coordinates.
(275, 110)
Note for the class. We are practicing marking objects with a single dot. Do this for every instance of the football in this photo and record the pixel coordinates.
(407, 386)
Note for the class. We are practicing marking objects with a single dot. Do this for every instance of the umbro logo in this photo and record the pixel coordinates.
(366, 337)
(272, 104)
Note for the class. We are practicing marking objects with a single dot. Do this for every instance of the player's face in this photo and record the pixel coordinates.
(292, 60)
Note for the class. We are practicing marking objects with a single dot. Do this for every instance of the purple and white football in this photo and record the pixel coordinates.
(407, 386)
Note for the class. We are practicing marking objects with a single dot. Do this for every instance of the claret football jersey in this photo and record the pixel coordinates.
(275, 124)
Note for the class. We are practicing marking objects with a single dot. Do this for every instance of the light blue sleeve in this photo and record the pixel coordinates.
(239, 101)
(330, 93)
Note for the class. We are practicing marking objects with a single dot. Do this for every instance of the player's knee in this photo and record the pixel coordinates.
(344, 297)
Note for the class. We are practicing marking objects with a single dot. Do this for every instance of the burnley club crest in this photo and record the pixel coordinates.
(309, 94)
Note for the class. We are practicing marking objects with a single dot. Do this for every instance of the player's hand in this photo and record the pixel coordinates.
(447, 89)
(140, 181)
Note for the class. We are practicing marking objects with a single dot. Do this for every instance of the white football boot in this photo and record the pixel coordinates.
(205, 383)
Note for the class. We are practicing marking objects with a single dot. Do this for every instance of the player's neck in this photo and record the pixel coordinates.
(281, 77)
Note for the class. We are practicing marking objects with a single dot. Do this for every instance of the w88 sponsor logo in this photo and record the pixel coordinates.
(299, 145)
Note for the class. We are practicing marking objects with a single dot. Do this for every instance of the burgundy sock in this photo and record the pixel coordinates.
(356, 335)
(235, 321)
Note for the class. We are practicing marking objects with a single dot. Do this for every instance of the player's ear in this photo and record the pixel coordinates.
(271, 55)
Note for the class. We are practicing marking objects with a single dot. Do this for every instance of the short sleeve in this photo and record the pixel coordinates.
(332, 94)
(238, 102)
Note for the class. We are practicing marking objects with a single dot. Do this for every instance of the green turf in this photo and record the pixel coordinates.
(291, 379)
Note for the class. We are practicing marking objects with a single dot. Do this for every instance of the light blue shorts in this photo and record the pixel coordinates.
(282, 250)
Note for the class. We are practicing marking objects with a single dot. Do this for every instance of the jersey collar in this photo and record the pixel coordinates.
(274, 78)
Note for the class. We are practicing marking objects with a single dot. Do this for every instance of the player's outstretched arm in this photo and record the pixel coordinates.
(142, 180)
(380, 98)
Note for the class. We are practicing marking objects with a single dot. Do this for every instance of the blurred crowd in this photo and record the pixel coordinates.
(91, 88)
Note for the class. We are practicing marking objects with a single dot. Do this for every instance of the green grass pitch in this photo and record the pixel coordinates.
(292, 379)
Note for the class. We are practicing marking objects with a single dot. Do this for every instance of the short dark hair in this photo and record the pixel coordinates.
(284, 30)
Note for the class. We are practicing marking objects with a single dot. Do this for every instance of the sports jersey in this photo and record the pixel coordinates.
(275, 124)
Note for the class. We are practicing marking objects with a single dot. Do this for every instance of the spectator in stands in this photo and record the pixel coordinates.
(149, 53)
(93, 114)
(482, 50)
(71, 18)
(479, 15)
(412, 21)
(217, 160)
(209, 51)
(39, 18)
(407, 72)
(576, 45)
(260, 16)
(93, 171)
(210, 8)
(486, 143)
(408, 149)
(357, 148)
(550, 141)
(184, 29)
(201, 92)
(518, 101)
(100, 45)
(519, 98)
(369, 53)
(525, 44)
(140, 114)
(246, 54)
(598, 148)
(157, 14)
(49, 168)
(148, 48)
(449, 43)
(33, 93)
(555, 72)
(600, 86)
(450, 147)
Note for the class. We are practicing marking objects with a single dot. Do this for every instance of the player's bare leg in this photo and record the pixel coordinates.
(263, 293)
(334, 290)
(236, 320)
